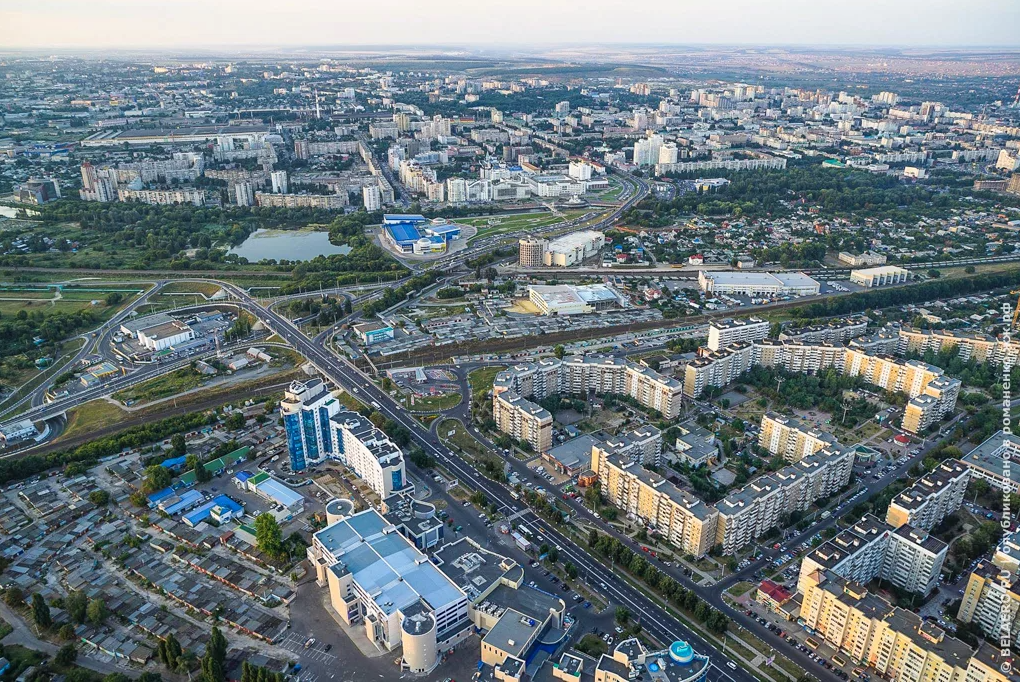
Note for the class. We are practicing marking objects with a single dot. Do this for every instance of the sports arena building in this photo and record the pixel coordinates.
(411, 233)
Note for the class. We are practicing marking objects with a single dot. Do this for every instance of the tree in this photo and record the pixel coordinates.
(970, 270)
(66, 655)
(236, 420)
(622, 615)
(178, 445)
(66, 632)
(559, 351)
(41, 611)
(268, 535)
(214, 661)
(100, 498)
(97, 611)
(14, 597)
(76, 604)
(934, 274)
(150, 677)
(156, 477)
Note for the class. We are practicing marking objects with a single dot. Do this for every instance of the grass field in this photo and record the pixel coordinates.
(165, 386)
(520, 222)
(480, 380)
(430, 403)
(93, 415)
(461, 438)
(207, 288)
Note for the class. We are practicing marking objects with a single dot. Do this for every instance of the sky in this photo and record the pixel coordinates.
(221, 24)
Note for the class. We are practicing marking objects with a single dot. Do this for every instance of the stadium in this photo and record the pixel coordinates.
(412, 234)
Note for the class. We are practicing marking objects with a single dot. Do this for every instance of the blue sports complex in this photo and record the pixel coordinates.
(406, 232)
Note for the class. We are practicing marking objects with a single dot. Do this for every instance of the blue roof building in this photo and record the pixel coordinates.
(202, 513)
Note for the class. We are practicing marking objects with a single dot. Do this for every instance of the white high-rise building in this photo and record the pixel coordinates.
(668, 153)
(243, 194)
(280, 183)
(580, 170)
(372, 197)
(646, 151)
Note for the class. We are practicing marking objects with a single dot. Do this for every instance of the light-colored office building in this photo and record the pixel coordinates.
(880, 276)
(986, 461)
(865, 259)
(379, 581)
(530, 251)
(165, 335)
(723, 333)
(573, 248)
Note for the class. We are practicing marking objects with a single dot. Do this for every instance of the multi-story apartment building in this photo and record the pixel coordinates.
(910, 558)
(598, 374)
(653, 390)
(642, 445)
(990, 602)
(369, 452)
(759, 506)
(836, 331)
(333, 202)
(937, 400)
(798, 356)
(856, 553)
(307, 408)
(686, 521)
(523, 419)
(897, 644)
(980, 347)
(933, 497)
(910, 376)
(724, 333)
(164, 197)
(790, 438)
(914, 559)
(717, 368)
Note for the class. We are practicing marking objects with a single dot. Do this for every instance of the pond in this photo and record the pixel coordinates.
(11, 212)
(288, 245)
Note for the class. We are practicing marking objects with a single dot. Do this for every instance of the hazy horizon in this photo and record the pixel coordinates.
(255, 24)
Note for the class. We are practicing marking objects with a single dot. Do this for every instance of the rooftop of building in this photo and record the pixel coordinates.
(731, 323)
(513, 633)
(574, 453)
(385, 564)
(472, 568)
(988, 455)
(574, 240)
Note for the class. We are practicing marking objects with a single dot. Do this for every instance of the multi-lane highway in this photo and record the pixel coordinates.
(655, 619)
